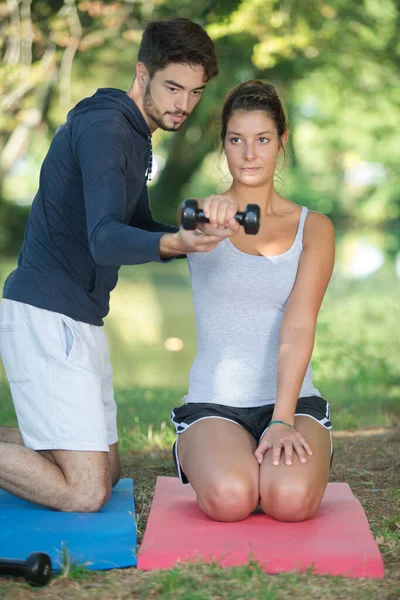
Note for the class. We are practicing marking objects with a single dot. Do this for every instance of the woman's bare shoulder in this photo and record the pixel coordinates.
(318, 227)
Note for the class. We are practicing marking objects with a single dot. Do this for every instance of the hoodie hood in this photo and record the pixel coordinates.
(110, 98)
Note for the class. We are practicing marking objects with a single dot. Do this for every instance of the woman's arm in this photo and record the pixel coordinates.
(300, 319)
(297, 335)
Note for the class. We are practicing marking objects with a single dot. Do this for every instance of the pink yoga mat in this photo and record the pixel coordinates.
(336, 541)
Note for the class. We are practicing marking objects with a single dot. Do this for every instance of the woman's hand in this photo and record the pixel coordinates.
(280, 437)
(221, 211)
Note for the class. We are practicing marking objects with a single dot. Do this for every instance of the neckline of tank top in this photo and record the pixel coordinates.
(304, 211)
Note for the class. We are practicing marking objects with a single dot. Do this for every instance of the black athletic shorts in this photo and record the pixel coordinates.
(255, 419)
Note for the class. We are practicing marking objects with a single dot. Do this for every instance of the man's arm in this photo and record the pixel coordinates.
(103, 150)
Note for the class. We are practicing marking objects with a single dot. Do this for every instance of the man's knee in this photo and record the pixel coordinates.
(89, 499)
(115, 468)
(115, 477)
(88, 480)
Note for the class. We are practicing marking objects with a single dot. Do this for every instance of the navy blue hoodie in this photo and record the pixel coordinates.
(91, 213)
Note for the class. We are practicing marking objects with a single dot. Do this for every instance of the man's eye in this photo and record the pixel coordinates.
(172, 89)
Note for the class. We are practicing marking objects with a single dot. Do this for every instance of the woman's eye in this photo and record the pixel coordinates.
(264, 140)
(235, 140)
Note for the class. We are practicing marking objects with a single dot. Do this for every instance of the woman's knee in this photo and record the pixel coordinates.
(231, 499)
(290, 501)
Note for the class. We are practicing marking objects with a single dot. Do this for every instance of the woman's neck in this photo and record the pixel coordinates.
(265, 196)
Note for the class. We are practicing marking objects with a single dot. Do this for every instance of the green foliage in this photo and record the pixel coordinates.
(12, 225)
(338, 66)
(41, 42)
(335, 62)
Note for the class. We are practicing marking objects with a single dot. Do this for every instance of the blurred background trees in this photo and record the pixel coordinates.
(334, 62)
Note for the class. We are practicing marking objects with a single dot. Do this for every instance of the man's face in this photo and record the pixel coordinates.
(172, 94)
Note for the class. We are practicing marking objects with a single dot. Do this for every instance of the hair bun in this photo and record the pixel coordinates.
(256, 89)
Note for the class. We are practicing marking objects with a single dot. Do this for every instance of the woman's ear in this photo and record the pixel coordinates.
(283, 142)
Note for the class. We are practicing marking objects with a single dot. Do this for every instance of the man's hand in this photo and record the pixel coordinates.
(184, 242)
(221, 211)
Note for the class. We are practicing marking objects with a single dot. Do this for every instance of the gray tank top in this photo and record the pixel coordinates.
(239, 301)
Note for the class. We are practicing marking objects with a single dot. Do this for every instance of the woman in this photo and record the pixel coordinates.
(254, 430)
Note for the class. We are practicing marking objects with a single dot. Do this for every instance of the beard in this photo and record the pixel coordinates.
(154, 113)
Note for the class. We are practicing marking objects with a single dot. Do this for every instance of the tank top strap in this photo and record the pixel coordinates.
(300, 228)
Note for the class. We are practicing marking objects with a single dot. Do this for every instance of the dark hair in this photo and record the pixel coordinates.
(177, 40)
(254, 95)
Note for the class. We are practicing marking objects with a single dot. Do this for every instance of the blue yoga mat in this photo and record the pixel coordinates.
(103, 540)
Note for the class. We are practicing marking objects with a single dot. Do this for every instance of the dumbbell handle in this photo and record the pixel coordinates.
(201, 218)
(36, 569)
(12, 567)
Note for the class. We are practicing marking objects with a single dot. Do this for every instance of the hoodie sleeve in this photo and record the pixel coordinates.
(143, 218)
(103, 151)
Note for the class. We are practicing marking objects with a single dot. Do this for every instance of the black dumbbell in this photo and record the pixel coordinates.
(35, 569)
(249, 218)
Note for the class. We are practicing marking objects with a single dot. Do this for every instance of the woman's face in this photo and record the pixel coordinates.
(252, 147)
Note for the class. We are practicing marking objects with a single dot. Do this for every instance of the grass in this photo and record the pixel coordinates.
(356, 368)
(70, 568)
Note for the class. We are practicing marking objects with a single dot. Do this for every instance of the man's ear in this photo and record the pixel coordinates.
(142, 74)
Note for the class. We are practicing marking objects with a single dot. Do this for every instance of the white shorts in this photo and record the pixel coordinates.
(60, 377)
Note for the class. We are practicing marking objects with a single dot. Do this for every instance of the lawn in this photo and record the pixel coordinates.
(356, 368)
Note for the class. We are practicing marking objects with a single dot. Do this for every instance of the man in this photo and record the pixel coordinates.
(91, 215)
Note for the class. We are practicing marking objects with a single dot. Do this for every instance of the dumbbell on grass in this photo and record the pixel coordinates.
(191, 215)
(35, 569)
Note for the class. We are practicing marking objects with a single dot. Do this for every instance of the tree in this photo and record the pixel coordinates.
(339, 58)
(336, 45)
(42, 42)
